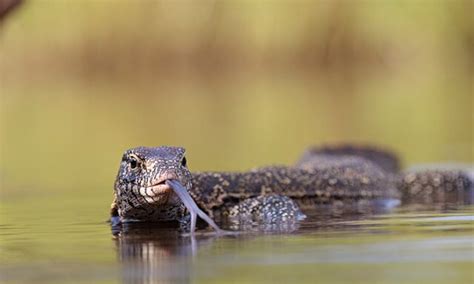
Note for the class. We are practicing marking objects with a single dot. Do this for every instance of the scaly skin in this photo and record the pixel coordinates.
(342, 176)
(436, 187)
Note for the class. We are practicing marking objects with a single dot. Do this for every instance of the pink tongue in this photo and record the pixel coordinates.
(192, 207)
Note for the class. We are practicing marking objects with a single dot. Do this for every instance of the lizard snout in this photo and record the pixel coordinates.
(164, 176)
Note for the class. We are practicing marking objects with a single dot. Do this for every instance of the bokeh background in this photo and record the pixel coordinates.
(238, 83)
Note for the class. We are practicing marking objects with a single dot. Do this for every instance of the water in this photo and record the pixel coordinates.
(63, 244)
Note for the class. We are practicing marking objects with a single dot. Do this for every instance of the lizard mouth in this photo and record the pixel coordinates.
(155, 190)
(159, 191)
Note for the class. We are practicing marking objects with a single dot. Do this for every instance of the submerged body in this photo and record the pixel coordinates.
(154, 184)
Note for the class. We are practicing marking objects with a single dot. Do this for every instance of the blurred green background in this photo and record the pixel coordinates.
(238, 83)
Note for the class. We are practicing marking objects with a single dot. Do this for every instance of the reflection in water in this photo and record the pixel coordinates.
(151, 255)
(160, 253)
(149, 252)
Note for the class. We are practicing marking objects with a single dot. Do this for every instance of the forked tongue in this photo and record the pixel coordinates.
(192, 207)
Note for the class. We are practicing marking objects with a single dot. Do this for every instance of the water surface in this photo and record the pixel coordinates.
(62, 244)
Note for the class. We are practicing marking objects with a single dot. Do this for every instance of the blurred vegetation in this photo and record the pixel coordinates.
(238, 83)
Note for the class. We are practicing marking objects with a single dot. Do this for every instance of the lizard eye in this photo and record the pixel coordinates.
(183, 162)
(133, 163)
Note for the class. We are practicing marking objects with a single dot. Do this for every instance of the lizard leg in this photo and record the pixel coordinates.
(114, 216)
(267, 209)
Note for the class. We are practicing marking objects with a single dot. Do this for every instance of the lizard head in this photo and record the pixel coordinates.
(141, 181)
